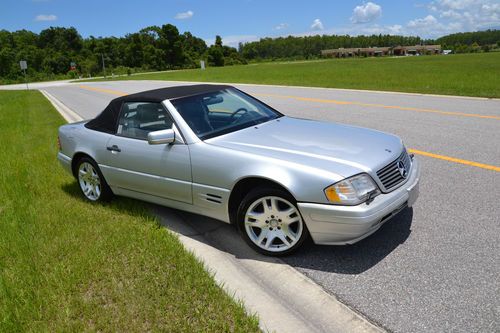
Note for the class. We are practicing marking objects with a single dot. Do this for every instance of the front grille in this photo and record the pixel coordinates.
(390, 176)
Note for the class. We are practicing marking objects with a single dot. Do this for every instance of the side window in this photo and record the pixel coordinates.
(137, 119)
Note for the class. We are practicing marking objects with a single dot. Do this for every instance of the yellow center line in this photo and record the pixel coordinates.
(103, 90)
(414, 151)
(333, 101)
(455, 160)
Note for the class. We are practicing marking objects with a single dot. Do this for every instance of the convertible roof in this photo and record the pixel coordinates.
(106, 121)
(159, 95)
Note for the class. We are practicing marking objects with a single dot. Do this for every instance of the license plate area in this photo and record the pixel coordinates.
(394, 212)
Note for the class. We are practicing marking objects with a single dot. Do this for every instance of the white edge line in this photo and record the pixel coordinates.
(69, 115)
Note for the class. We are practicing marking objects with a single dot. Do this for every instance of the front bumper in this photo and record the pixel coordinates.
(65, 162)
(338, 225)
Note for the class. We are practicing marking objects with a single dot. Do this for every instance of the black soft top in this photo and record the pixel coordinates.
(106, 121)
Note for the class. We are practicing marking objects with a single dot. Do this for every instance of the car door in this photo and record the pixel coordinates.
(131, 163)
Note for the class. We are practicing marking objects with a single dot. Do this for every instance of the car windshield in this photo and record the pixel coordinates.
(221, 112)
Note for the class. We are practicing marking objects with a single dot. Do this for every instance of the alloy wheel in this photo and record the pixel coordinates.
(273, 224)
(89, 180)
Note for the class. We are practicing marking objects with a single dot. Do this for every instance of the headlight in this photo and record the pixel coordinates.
(352, 191)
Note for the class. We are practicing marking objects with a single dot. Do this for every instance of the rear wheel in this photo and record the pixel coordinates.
(92, 183)
(270, 222)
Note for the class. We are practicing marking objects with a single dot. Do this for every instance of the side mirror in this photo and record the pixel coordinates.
(161, 137)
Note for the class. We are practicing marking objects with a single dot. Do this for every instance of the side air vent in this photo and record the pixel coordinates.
(212, 198)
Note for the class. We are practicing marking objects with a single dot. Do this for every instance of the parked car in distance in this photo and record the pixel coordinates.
(216, 151)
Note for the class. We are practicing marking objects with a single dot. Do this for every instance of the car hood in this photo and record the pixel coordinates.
(341, 149)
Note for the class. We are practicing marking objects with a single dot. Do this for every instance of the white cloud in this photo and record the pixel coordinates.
(450, 14)
(425, 22)
(463, 15)
(443, 17)
(454, 4)
(184, 15)
(44, 17)
(317, 25)
(366, 13)
(281, 26)
(395, 29)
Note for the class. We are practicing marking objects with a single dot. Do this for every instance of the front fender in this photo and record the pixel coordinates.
(223, 167)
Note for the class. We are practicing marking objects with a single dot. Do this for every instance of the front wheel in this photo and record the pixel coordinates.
(92, 183)
(270, 222)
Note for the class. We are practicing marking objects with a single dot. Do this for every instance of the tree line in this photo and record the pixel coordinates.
(464, 42)
(50, 53)
(309, 47)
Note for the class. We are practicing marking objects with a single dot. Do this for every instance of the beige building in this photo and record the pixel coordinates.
(381, 51)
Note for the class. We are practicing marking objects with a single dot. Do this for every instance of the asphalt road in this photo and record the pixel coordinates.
(434, 268)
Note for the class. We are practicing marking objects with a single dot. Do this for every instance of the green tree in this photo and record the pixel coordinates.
(171, 44)
(216, 53)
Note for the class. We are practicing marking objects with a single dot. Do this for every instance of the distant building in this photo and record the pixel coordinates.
(382, 51)
(417, 49)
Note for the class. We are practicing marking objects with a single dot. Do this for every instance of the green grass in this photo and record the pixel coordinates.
(461, 74)
(69, 265)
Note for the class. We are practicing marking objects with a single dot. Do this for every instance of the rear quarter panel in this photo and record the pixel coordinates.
(76, 138)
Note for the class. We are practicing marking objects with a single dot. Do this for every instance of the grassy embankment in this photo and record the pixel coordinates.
(461, 74)
(68, 265)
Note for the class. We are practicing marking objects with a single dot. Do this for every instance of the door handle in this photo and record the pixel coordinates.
(114, 148)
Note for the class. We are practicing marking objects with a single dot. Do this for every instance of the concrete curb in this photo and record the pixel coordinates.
(284, 299)
(69, 115)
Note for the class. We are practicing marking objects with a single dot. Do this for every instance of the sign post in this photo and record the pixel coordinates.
(103, 67)
(24, 67)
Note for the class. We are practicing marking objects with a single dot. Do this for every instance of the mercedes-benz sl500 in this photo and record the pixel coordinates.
(217, 151)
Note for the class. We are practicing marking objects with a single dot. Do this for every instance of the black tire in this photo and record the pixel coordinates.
(258, 194)
(105, 193)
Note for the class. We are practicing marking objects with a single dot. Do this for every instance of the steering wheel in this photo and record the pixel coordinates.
(240, 110)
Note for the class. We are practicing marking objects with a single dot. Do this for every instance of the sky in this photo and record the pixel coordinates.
(248, 20)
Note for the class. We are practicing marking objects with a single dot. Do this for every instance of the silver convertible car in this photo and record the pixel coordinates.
(216, 151)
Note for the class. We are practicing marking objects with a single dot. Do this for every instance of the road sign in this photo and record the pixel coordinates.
(72, 65)
(24, 67)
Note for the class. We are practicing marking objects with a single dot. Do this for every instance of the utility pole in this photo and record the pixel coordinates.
(103, 67)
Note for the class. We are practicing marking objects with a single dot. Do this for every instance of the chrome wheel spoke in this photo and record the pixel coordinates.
(270, 238)
(262, 236)
(254, 219)
(87, 190)
(291, 220)
(285, 241)
(289, 233)
(267, 206)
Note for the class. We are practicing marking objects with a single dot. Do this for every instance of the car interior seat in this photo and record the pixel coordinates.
(196, 115)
